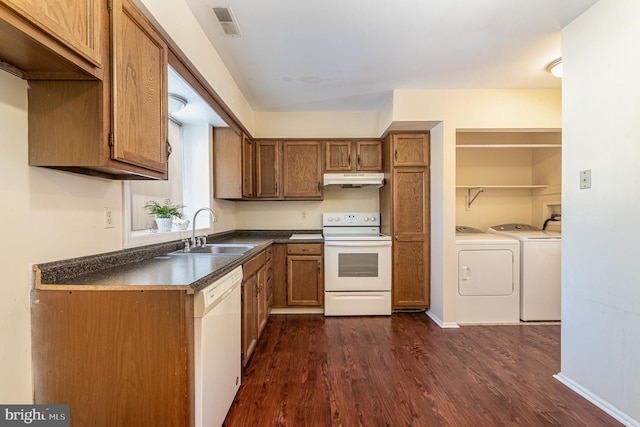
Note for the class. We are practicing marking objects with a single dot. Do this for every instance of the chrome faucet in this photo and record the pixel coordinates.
(202, 240)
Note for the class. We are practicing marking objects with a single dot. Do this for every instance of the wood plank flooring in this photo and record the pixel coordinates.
(403, 370)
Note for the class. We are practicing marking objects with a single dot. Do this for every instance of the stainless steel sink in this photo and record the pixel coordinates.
(221, 249)
(224, 248)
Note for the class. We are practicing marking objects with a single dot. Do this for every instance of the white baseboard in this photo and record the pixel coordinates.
(602, 404)
(439, 322)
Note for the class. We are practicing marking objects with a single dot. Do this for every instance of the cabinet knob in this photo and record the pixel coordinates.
(318, 266)
(169, 149)
(395, 235)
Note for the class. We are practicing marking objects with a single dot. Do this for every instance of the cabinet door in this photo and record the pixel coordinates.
(247, 167)
(249, 316)
(411, 238)
(261, 301)
(369, 155)
(141, 342)
(139, 98)
(279, 275)
(267, 169)
(227, 164)
(410, 275)
(411, 149)
(305, 280)
(75, 23)
(338, 156)
(302, 170)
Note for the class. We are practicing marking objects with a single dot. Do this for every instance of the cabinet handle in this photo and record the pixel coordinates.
(358, 159)
(349, 159)
(318, 266)
(396, 154)
(318, 185)
(395, 235)
(169, 149)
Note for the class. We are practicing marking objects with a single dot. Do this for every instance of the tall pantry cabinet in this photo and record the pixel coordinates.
(405, 210)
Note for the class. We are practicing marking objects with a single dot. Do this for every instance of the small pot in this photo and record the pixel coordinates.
(164, 224)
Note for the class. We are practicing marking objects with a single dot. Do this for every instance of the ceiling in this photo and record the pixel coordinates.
(337, 55)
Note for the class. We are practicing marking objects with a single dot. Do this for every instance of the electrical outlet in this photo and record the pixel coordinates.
(107, 218)
(585, 179)
(303, 215)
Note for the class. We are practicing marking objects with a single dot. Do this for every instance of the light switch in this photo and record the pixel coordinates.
(585, 179)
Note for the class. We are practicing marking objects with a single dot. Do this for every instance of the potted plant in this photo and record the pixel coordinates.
(164, 213)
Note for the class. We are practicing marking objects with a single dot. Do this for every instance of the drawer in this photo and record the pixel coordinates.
(250, 267)
(304, 249)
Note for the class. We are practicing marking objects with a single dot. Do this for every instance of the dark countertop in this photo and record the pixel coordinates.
(157, 266)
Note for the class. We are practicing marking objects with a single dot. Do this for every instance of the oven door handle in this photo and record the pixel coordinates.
(360, 243)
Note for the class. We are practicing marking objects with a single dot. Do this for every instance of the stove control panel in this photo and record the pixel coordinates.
(350, 219)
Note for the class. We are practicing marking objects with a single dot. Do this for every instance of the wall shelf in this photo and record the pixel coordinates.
(524, 186)
(480, 189)
(510, 146)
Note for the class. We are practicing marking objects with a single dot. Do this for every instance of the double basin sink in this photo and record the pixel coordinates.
(229, 249)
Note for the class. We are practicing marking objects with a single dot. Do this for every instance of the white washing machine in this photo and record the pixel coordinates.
(540, 260)
(488, 277)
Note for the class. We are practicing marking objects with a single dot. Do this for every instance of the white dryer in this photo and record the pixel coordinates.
(488, 277)
(540, 260)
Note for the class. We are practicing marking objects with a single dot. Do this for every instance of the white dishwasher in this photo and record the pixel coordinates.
(217, 335)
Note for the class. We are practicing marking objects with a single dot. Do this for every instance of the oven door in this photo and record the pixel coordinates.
(357, 265)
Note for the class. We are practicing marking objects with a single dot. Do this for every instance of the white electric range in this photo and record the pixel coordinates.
(357, 261)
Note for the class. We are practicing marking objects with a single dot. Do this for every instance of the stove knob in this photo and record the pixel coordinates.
(330, 219)
(366, 219)
(373, 219)
(336, 218)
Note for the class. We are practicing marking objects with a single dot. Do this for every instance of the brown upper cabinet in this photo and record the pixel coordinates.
(115, 127)
(53, 39)
(302, 170)
(248, 164)
(288, 170)
(410, 149)
(268, 154)
(351, 156)
(233, 162)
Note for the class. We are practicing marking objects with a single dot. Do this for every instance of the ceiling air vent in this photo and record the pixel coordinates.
(226, 21)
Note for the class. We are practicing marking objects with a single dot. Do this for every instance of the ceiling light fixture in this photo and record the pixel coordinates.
(555, 68)
(176, 103)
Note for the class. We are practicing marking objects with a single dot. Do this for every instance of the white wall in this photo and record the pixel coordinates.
(47, 215)
(287, 215)
(601, 132)
(464, 109)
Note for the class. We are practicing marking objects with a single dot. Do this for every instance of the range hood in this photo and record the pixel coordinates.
(354, 180)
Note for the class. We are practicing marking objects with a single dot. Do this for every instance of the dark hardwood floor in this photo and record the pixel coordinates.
(403, 370)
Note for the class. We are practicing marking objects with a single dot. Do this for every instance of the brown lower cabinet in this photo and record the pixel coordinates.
(298, 275)
(255, 309)
(305, 275)
(117, 358)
